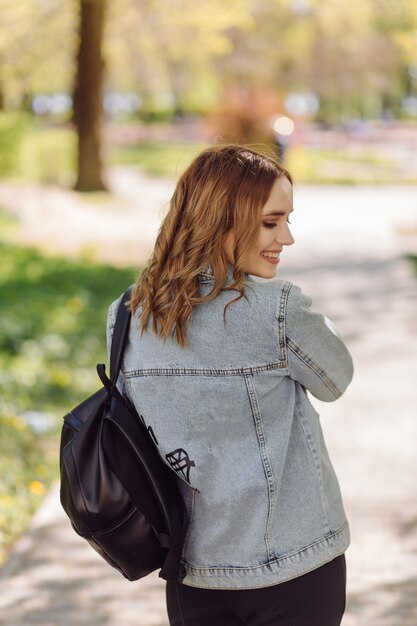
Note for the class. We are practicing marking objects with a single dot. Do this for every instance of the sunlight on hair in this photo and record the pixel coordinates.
(224, 187)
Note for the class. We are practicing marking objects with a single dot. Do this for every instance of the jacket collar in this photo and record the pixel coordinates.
(207, 274)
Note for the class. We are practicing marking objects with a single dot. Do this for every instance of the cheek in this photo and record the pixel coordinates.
(265, 239)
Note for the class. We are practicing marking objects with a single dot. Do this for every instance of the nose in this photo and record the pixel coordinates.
(284, 236)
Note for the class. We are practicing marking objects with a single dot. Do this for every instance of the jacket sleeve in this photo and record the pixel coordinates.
(317, 356)
(111, 320)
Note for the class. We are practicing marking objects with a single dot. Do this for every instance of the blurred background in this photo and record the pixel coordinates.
(103, 104)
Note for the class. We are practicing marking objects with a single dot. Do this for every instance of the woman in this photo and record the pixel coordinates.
(223, 385)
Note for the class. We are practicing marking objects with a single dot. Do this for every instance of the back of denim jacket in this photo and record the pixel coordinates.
(231, 416)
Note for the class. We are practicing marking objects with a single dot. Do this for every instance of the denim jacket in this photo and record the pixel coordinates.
(231, 416)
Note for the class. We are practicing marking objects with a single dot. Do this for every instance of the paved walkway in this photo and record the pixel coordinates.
(349, 259)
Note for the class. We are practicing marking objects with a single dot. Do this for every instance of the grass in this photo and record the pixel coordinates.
(159, 160)
(31, 150)
(48, 155)
(52, 334)
(327, 166)
(307, 164)
(28, 464)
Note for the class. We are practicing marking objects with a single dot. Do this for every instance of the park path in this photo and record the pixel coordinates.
(350, 259)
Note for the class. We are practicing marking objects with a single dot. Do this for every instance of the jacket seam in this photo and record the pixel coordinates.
(280, 316)
(206, 279)
(314, 367)
(309, 440)
(193, 371)
(190, 520)
(283, 557)
(266, 463)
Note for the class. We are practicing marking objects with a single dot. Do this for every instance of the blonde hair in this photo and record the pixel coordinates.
(225, 186)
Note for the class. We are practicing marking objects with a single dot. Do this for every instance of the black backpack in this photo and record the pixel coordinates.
(116, 490)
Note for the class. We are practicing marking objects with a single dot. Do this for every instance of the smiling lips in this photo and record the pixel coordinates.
(271, 257)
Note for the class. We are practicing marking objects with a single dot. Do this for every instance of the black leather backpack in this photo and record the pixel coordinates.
(116, 490)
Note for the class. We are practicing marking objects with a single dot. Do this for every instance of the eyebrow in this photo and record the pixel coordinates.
(276, 213)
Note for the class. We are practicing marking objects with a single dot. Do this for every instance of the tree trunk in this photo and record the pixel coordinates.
(88, 95)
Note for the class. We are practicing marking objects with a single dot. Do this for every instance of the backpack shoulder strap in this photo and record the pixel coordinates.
(120, 335)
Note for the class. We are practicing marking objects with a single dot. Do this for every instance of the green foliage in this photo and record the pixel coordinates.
(48, 155)
(308, 165)
(163, 159)
(8, 225)
(339, 167)
(158, 64)
(13, 127)
(184, 53)
(36, 47)
(34, 151)
(28, 464)
(37, 152)
(52, 326)
(52, 334)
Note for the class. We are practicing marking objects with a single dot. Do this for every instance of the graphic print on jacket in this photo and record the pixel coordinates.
(178, 459)
(231, 414)
(180, 462)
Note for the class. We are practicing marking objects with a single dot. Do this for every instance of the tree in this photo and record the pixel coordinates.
(88, 95)
(170, 63)
(182, 55)
(36, 49)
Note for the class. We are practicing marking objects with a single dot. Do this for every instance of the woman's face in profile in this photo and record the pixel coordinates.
(274, 232)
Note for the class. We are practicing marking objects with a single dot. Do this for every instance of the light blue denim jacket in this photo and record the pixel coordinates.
(231, 416)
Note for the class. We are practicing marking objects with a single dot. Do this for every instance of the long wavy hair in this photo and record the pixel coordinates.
(225, 186)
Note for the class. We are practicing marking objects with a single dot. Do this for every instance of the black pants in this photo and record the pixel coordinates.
(314, 599)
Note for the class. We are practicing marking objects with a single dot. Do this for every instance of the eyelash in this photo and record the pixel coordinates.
(269, 225)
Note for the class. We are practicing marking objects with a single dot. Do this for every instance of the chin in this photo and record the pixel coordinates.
(264, 273)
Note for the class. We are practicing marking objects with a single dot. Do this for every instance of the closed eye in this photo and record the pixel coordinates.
(272, 225)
